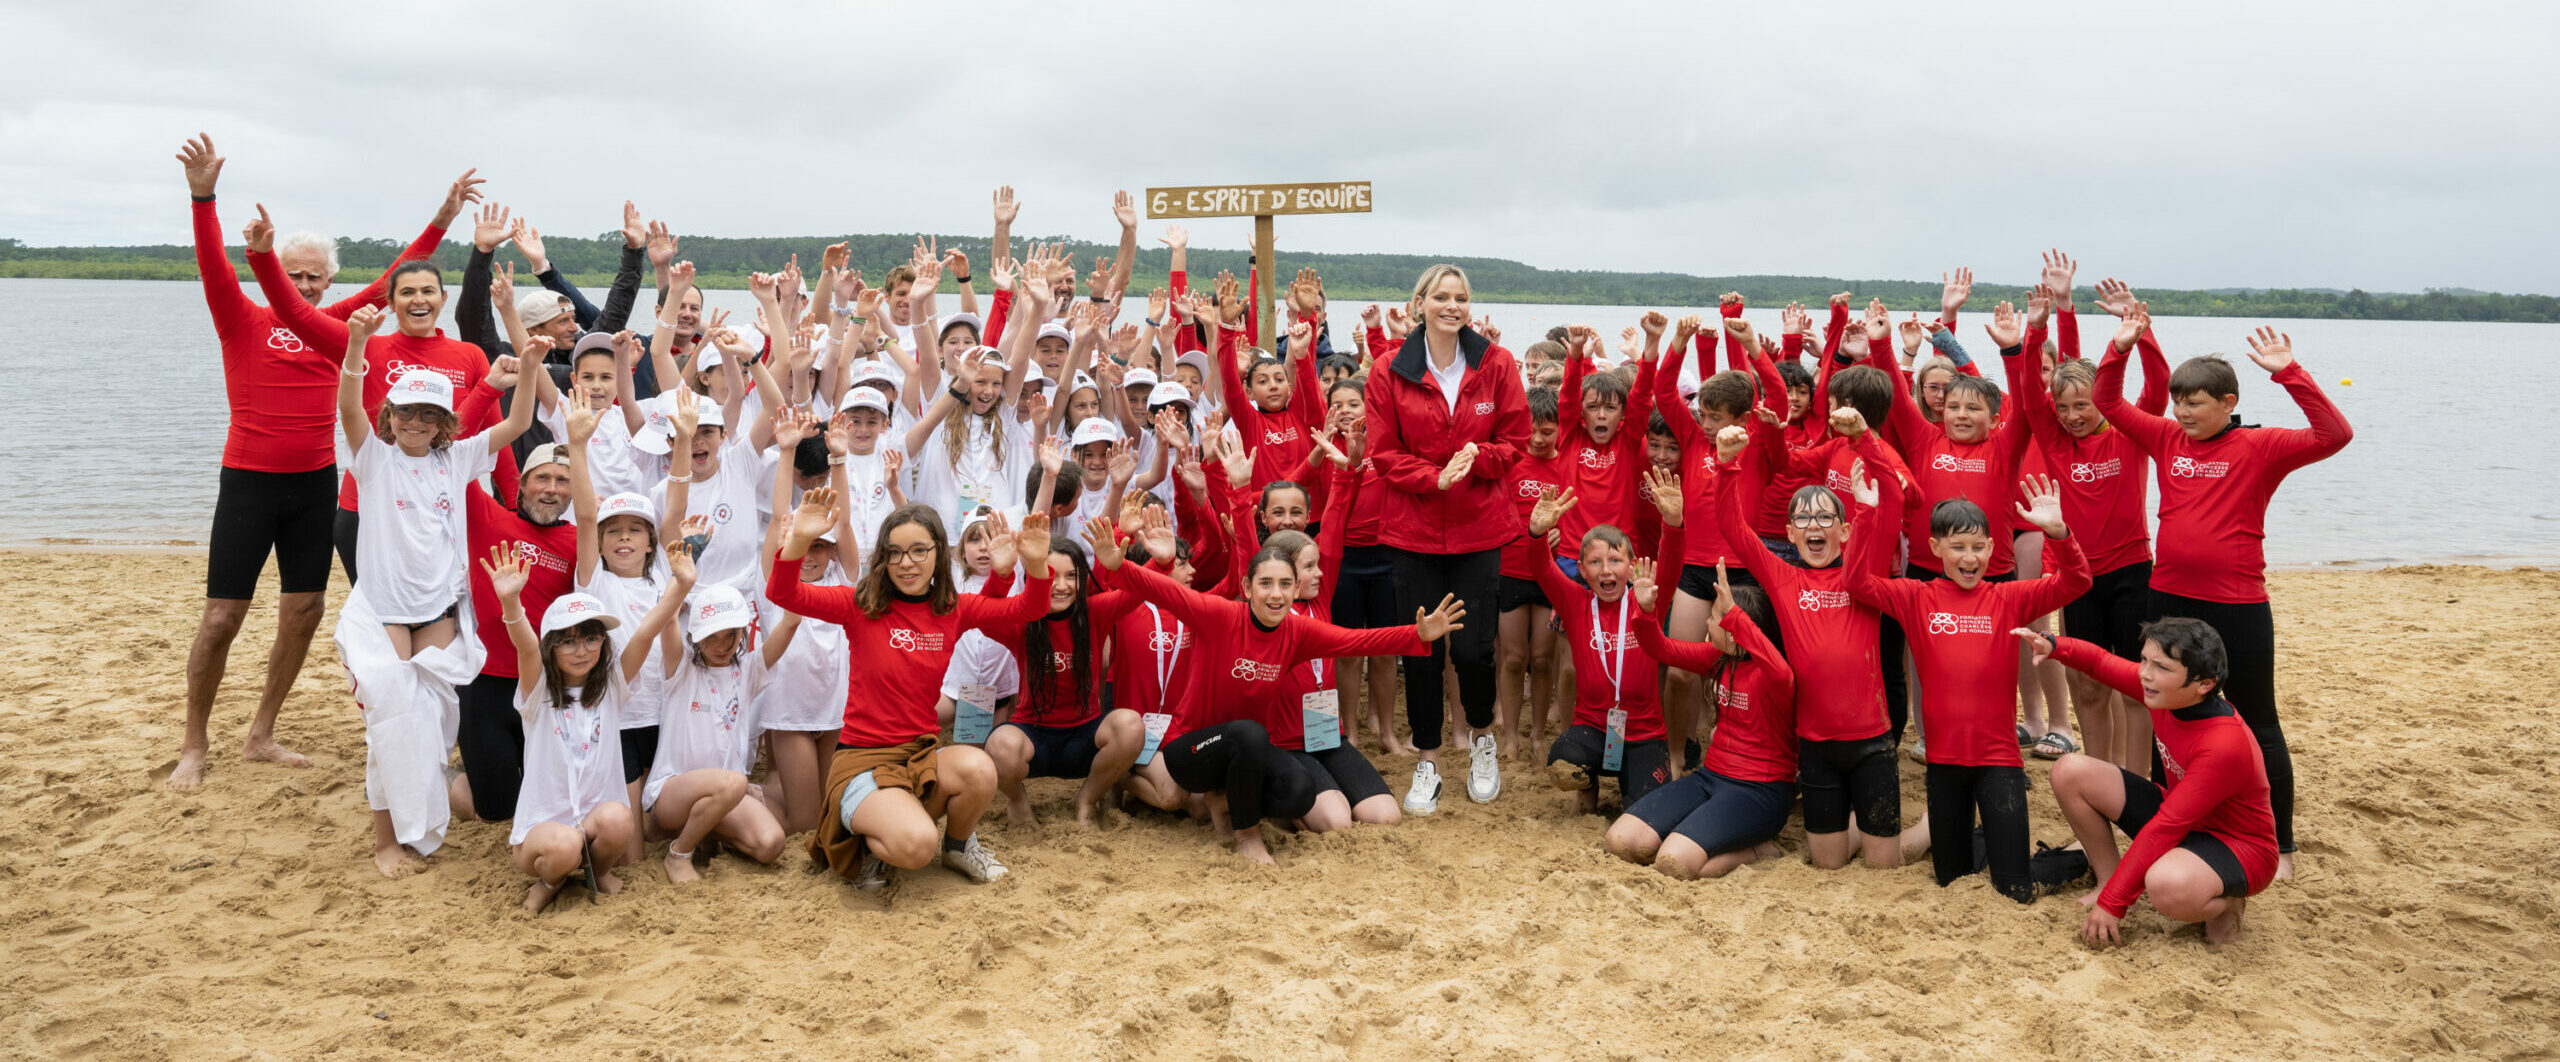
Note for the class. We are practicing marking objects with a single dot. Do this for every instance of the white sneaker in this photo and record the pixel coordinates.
(974, 862)
(1484, 771)
(1919, 751)
(1423, 796)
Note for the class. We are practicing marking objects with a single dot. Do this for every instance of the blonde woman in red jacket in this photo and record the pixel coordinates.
(1447, 417)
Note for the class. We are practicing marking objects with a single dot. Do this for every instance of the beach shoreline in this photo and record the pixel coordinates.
(246, 919)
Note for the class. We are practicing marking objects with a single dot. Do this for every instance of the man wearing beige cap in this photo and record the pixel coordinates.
(492, 734)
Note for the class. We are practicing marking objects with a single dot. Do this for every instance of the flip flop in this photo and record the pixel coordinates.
(2054, 746)
(587, 869)
(2024, 738)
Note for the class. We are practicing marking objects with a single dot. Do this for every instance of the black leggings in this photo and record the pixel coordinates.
(1422, 579)
(2249, 638)
(343, 536)
(1237, 757)
(492, 741)
(2000, 794)
(284, 513)
(1897, 688)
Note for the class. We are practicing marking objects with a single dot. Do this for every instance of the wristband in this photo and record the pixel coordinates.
(512, 620)
(1153, 323)
(1096, 300)
(960, 280)
(835, 459)
(685, 478)
(667, 324)
(357, 372)
(958, 395)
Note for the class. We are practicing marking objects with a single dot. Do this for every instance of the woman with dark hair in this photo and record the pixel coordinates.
(891, 775)
(1446, 420)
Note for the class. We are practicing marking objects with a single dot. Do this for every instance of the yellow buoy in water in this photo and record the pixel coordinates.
(2346, 382)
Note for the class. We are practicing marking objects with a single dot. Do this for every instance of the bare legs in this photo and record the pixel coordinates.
(298, 616)
(696, 804)
(551, 851)
(1676, 856)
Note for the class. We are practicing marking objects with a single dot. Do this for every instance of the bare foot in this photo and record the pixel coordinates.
(1767, 850)
(1018, 816)
(395, 862)
(539, 896)
(1393, 747)
(680, 867)
(2225, 927)
(188, 775)
(1084, 814)
(607, 883)
(1250, 847)
(2284, 865)
(265, 750)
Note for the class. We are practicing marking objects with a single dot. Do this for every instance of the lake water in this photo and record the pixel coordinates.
(116, 416)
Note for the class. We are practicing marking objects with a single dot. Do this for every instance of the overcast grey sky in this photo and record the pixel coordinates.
(2390, 147)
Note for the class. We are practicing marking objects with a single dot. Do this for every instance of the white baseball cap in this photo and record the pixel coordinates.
(707, 414)
(550, 453)
(964, 317)
(1138, 378)
(658, 431)
(864, 398)
(1083, 380)
(707, 359)
(873, 370)
(591, 341)
(1197, 360)
(1689, 387)
(421, 387)
(570, 610)
(1167, 393)
(1054, 330)
(715, 608)
(1094, 430)
(628, 504)
(1033, 377)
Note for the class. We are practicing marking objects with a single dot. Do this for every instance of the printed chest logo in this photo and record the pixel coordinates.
(533, 554)
(1247, 669)
(1272, 436)
(2190, 468)
(1603, 642)
(1484, 409)
(2167, 760)
(914, 641)
(1167, 641)
(720, 513)
(1730, 699)
(1599, 460)
(283, 339)
(2093, 471)
(1533, 490)
(1952, 463)
(1811, 600)
(1956, 623)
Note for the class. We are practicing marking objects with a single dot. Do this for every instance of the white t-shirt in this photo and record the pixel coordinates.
(977, 660)
(867, 502)
(613, 464)
(737, 499)
(984, 474)
(708, 721)
(572, 757)
(410, 551)
(630, 600)
(807, 688)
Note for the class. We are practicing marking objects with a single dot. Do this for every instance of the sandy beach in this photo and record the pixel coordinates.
(246, 921)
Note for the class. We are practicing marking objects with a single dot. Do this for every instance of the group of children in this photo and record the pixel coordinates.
(810, 584)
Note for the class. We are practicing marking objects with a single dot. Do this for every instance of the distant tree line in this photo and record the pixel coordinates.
(726, 263)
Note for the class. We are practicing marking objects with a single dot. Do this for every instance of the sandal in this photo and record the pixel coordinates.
(2025, 738)
(587, 870)
(2054, 746)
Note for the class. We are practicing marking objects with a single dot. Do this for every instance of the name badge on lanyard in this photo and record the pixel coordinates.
(1613, 664)
(1159, 721)
(1320, 714)
(973, 716)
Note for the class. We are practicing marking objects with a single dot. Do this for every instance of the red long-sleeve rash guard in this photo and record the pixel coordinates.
(1985, 473)
(1831, 638)
(1603, 644)
(1241, 664)
(283, 391)
(2217, 781)
(1755, 739)
(1603, 475)
(1960, 639)
(2103, 476)
(899, 657)
(2214, 494)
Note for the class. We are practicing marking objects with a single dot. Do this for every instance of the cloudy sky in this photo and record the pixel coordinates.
(2174, 145)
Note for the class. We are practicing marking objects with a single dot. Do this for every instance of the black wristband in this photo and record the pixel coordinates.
(961, 280)
(201, 198)
(958, 395)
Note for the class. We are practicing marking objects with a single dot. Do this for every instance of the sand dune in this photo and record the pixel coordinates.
(246, 920)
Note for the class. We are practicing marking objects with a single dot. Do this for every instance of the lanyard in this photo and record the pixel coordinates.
(1614, 666)
(1165, 657)
(1314, 663)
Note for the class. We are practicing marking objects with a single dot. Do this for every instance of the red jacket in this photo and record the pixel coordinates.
(1413, 433)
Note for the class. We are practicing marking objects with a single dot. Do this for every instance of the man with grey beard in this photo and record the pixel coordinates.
(492, 735)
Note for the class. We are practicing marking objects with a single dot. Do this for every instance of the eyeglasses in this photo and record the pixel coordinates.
(413, 412)
(1813, 520)
(915, 555)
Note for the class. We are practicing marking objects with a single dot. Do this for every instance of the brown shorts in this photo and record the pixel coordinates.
(909, 766)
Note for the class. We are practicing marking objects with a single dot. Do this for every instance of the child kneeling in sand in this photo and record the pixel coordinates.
(571, 692)
(2205, 841)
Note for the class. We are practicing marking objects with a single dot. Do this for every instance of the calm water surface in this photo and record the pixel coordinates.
(115, 408)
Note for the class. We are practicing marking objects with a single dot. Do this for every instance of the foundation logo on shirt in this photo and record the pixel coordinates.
(1248, 669)
(2093, 471)
(1732, 700)
(908, 640)
(1533, 490)
(1952, 463)
(1954, 623)
(1603, 642)
(2176, 769)
(1484, 409)
(283, 339)
(1275, 436)
(1811, 600)
(1598, 460)
(721, 513)
(1167, 641)
(2190, 468)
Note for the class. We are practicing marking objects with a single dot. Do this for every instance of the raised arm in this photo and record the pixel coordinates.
(2329, 432)
(351, 373)
(306, 322)
(1126, 210)
(464, 189)
(625, 293)
(581, 424)
(507, 572)
(222, 295)
(2152, 432)
(661, 616)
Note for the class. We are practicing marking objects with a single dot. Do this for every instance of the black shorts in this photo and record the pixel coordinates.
(1643, 766)
(2109, 615)
(1719, 814)
(1342, 767)
(639, 750)
(289, 514)
(1061, 751)
(1699, 580)
(1519, 594)
(491, 740)
(1841, 776)
(1364, 591)
(2142, 801)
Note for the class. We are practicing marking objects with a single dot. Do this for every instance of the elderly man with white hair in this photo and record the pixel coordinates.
(279, 467)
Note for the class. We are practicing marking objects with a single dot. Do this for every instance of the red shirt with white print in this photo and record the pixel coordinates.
(899, 657)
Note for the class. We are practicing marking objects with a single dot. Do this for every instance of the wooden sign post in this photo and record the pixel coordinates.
(1260, 202)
